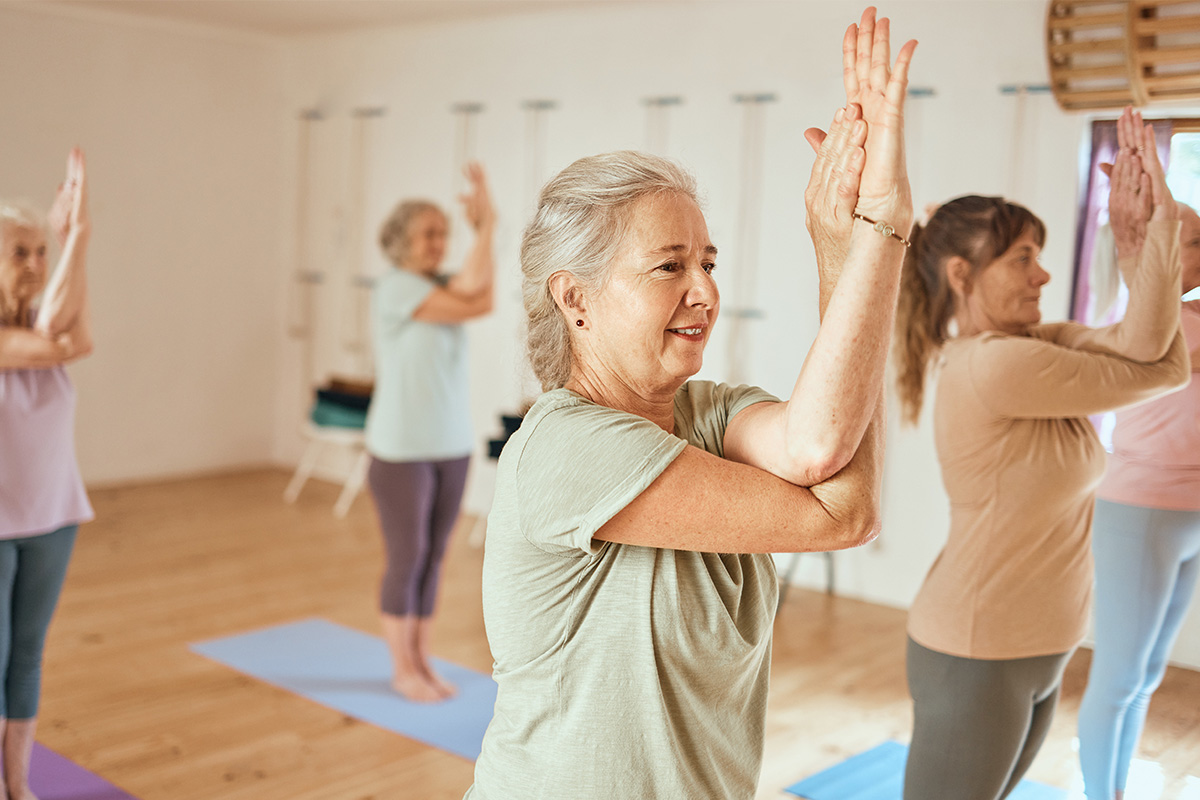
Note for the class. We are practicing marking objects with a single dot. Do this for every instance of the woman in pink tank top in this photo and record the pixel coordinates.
(42, 499)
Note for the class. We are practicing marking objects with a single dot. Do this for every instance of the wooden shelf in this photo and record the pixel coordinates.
(1107, 54)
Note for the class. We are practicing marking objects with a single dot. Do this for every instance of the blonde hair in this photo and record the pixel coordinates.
(581, 219)
(394, 233)
(976, 229)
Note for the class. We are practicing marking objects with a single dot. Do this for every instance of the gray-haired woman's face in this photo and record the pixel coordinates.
(22, 262)
(650, 323)
(426, 245)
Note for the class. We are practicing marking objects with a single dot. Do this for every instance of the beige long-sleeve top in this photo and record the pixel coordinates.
(1021, 463)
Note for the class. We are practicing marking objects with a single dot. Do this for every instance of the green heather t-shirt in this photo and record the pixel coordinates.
(420, 409)
(623, 671)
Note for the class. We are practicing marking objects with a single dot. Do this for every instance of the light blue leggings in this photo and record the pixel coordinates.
(32, 570)
(1147, 562)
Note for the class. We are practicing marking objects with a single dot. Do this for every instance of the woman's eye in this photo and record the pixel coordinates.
(709, 267)
(670, 266)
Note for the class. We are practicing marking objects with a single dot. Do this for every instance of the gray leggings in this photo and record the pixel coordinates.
(976, 724)
(418, 505)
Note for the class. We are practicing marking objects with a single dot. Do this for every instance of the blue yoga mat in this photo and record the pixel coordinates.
(351, 671)
(878, 774)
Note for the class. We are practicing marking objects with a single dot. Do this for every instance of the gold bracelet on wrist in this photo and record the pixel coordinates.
(884, 228)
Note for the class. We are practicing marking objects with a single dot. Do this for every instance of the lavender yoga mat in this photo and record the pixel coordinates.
(53, 777)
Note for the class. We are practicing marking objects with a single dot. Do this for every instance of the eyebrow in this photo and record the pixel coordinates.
(710, 250)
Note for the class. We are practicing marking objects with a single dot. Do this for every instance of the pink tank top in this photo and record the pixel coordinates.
(1155, 461)
(40, 486)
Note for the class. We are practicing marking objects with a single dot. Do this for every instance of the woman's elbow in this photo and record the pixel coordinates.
(811, 464)
(862, 529)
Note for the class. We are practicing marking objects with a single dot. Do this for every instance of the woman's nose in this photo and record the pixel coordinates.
(703, 291)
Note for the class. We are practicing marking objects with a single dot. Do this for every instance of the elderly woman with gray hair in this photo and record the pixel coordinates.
(628, 588)
(42, 498)
(418, 425)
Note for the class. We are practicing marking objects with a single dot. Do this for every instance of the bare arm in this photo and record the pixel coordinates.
(818, 430)
(446, 306)
(66, 296)
(476, 276)
(706, 503)
(23, 348)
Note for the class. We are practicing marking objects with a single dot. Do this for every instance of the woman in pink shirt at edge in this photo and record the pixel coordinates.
(1146, 542)
(42, 499)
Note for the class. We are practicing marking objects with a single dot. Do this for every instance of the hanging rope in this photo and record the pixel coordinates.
(536, 112)
(302, 287)
(749, 230)
(357, 293)
(1017, 166)
(464, 141)
(658, 122)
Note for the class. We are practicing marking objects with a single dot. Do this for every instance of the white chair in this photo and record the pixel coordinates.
(318, 437)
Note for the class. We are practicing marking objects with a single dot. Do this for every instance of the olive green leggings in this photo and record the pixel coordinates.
(976, 724)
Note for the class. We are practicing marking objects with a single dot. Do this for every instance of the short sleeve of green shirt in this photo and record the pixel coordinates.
(580, 464)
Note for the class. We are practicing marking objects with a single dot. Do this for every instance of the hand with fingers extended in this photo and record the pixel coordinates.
(477, 203)
(832, 193)
(878, 89)
(69, 211)
(1138, 189)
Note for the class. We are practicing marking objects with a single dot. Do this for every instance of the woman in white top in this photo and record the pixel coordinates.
(418, 426)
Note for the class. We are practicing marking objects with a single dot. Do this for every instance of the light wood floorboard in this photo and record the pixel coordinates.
(169, 564)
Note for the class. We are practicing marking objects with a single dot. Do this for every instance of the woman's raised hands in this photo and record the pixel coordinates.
(1138, 189)
(69, 210)
(878, 89)
(832, 192)
(477, 203)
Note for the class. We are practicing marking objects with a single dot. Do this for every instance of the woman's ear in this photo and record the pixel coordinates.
(567, 294)
(958, 275)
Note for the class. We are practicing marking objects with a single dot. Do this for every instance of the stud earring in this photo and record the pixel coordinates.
(578, 323)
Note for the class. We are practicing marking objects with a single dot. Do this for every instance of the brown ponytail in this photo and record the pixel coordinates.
(977, 229)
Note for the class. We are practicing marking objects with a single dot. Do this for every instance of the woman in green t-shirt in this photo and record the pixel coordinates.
(628, 586)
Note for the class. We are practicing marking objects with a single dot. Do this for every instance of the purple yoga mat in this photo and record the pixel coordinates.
(53, 777)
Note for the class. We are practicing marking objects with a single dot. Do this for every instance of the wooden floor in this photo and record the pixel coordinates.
(169, 564)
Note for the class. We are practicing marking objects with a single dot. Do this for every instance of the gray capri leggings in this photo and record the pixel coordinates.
(418, 504)
(976, 724)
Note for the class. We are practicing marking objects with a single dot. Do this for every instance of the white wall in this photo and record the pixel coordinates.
(182, 128)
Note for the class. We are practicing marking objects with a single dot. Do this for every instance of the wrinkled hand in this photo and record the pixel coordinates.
(69, 211)
(1138, 189)
(884, 192)
(832, 192)
(477, 203)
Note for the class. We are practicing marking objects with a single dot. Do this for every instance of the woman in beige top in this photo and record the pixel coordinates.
(1007, 600)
